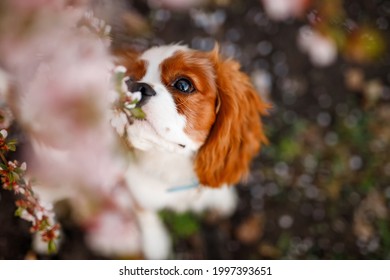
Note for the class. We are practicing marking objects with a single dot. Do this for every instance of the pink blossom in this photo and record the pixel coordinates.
(114, 229)
(284, 9)
(110, 233)
(31, 5)
(4, 133)
(119, 122)
(322, 50)
(61, 75)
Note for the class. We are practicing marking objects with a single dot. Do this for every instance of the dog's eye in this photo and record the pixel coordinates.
(184, 85)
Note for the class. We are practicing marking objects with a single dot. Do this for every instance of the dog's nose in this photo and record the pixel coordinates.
(146, 91)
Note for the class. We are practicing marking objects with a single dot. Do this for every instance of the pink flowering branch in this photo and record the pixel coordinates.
(124, 103)
(29, 207)
(68, 101)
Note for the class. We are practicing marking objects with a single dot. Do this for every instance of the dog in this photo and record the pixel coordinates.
(202, 129)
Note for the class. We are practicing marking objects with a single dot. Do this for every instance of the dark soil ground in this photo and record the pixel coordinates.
(320, 190)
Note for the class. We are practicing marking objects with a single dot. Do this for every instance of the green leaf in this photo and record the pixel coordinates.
(44, 224)
(11, 148)
(284, 242)
(11, 177)
(51, 247)
(119, 76)
(182, 224)
(16, 176)
(12, 145)
(135, 101)
(290, 149)
(12, 142)
(138, 113)
(384, 232)
(19, 212)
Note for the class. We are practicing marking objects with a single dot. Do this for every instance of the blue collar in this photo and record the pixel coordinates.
(193, 185)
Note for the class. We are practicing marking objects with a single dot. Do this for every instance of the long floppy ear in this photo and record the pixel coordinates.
(237, 134)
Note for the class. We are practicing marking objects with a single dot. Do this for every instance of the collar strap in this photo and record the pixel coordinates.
(193, 185)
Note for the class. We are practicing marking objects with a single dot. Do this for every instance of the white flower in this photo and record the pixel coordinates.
(12, 164)
(284, 9)
(119, 122)
(322, 51)
(120, 69)
(4, 133)
(23, 166)
(27, 216)
(135, 97)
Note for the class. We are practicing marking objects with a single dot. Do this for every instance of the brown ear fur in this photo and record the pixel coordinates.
(129, 58)
(237, 134)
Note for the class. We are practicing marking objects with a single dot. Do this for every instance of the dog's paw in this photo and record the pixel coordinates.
(156, 242)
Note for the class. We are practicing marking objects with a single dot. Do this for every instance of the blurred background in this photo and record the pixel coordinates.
(321, 188)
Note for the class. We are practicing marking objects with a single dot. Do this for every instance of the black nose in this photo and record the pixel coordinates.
(146, 91)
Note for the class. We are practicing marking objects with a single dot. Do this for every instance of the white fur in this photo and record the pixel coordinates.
(156, 242)
(160, 163)
(151, 176)
(164, 126)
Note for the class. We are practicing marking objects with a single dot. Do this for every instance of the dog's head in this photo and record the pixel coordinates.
(196, 103)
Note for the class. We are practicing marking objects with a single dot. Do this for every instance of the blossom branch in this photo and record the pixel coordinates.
(29, 207)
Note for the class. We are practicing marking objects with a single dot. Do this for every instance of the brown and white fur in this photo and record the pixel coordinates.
(203, 126)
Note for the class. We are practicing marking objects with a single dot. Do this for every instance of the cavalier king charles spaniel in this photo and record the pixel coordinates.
(202, 128)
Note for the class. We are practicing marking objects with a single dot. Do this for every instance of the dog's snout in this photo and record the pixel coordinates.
(146, 91)
(144, 88)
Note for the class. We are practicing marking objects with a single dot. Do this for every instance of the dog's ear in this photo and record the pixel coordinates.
(130, 59)
(237, 134)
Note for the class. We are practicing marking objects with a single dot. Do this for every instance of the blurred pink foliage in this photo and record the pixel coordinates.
(329, 31)
(112, 232)
(55, 59)
(285, 9)
(61, 76)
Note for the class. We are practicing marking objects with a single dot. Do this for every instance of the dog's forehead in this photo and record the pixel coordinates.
(156, 55)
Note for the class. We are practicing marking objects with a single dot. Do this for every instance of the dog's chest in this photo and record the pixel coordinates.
(162, 180)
